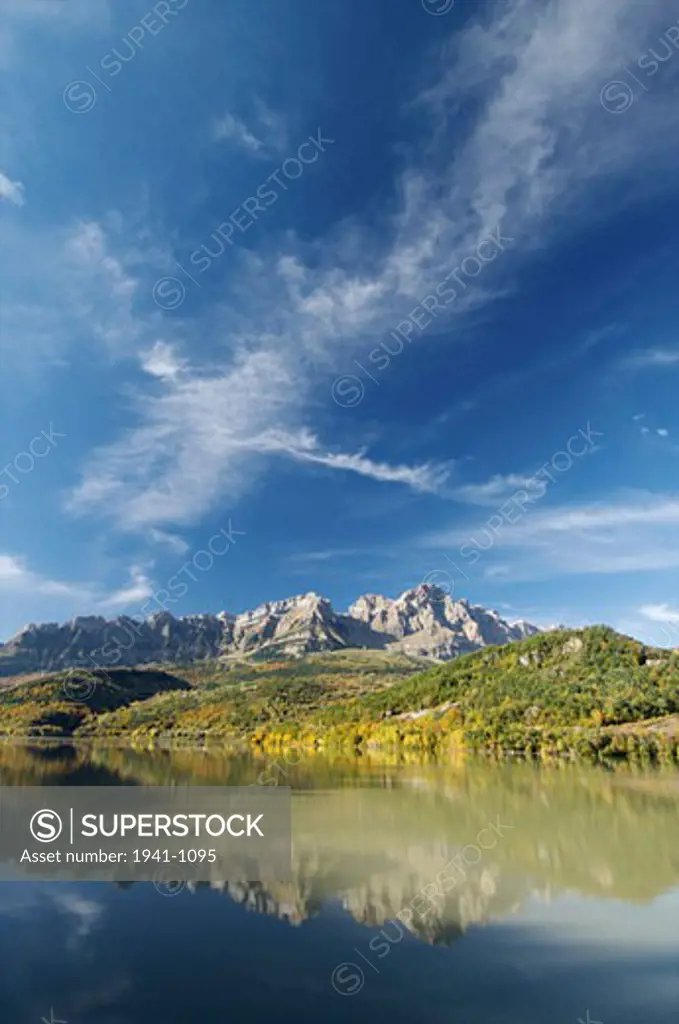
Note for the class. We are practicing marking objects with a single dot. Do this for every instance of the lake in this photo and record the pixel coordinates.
(467, 893)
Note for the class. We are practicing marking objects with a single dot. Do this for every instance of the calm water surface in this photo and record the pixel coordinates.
(572, 910)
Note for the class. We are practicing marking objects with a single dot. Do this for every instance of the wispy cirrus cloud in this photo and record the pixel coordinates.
(492, 492)
(204, 436)
(652, 358)
(532, 73)
(136, 591)
(68, 597)
(635, 532)
(66, 283)
(307, 558)
(427, 478)
(19, 580)
(16, 576)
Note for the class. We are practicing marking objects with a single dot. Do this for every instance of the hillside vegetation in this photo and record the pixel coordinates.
(225, 699)
(61, 703)
(583, 690)
(590, 692)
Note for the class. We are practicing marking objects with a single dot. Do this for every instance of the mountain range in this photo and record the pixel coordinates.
(423, 622)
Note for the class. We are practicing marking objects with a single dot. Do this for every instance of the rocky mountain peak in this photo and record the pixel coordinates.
(87, 623)
(427, 621)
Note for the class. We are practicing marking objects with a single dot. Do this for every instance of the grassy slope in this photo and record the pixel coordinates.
(585, 690)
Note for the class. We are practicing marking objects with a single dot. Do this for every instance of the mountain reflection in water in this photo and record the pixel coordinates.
(571, 906)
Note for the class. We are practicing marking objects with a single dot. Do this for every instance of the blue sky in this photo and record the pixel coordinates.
(385, 291)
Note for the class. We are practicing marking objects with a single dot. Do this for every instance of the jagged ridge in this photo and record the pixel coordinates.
(423, 621)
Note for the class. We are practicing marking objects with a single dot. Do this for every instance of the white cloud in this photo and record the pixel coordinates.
(652, 358)
(10, 568)
(229, 128)
(99, 292)
(426, 478)
(274, 126)
(12, 191)
(595, 337)
(89, 247)
(162, 361)
(660, 613)
(71, 293)
(304, 558)
(136, 591)
(667, 619)
(662, 432)
(170, 540)
(494, 572)
(268, 133)
(493, 491)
